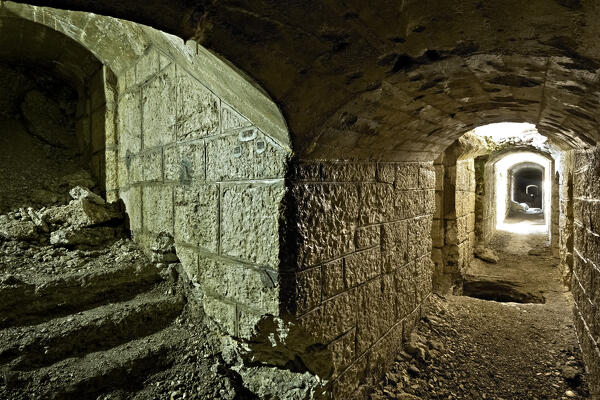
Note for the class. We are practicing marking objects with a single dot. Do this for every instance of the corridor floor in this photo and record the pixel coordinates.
(467, 348)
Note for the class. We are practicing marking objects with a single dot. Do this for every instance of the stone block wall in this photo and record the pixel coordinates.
(192, 166)
(438, 226)
(565, 219)
(460, 228)
(485, 204)
(586, 268)
(453, 229)
(362, 266)
(95, 127)
(555, 213)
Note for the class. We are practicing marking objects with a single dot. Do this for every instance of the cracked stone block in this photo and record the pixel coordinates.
(405, 285)
(228, 158)
(307, 171)
(419, 237)
(198, 110)
(424, 271)
(368, 236)
(188, 256)
(159, 99)
(376, 203)
(250, 222)
(312, 322)
(240, 284)
(368, 322)
(197, 216)
(427, 177)
(346, 384)
(134, 170)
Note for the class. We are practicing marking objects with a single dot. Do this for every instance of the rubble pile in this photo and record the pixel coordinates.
(85, 222)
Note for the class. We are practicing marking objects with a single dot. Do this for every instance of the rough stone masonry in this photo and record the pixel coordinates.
(313, 209)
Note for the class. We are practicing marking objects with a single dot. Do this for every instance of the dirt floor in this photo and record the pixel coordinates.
(469, 348)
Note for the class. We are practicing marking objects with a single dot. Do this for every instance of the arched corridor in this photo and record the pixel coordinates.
(267, 199)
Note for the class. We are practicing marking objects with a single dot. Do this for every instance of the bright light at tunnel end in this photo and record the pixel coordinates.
(502, 171)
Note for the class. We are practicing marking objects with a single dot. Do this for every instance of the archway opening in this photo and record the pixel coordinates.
(52, 118)
(523, 189)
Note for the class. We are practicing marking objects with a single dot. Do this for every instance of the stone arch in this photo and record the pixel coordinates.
(58, 89)
(487, 216)
(371, 100)
(209, 170)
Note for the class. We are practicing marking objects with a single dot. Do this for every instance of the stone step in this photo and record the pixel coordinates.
(29, 347)
(26, 303)
(122, 367)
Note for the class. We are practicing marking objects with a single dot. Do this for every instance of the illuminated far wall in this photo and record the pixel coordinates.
(502, 182)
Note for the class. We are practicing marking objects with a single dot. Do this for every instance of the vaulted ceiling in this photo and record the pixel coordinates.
(398, 80)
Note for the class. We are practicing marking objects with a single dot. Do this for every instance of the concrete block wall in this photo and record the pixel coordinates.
(586, 268)
(363, 265)
(192, 166)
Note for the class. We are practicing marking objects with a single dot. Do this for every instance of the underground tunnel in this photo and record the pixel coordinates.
(239, 200)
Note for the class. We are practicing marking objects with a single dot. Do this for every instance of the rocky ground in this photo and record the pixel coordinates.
(85, 314)
(40, 158)
(469, 348)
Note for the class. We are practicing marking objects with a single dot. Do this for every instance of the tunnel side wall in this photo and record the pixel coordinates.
(586, 269)
(566, 234)
(363, 268)
(95, 126)
(192, 166)
(485, 208)
(463, 226)
(437, 226)
(453, 228)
